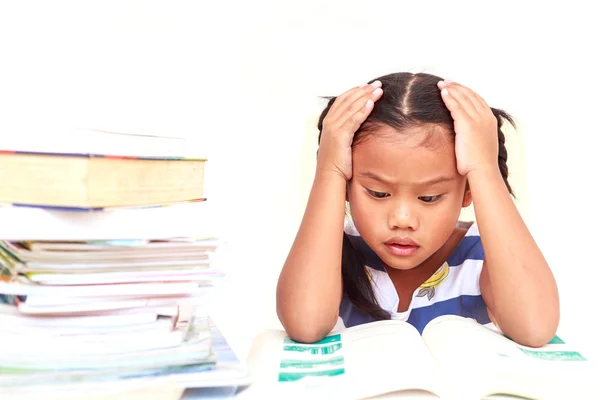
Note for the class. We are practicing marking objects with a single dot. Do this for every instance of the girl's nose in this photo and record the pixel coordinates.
(403, 217)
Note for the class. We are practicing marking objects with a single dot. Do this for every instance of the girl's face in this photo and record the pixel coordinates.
(406, 194)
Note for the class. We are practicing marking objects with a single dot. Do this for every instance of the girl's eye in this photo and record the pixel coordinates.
(377, 195)
(430, 199)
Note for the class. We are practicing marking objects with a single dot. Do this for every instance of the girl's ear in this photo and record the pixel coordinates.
(467, 198)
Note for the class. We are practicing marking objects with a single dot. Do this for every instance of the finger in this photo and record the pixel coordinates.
(443, 84)
(353, 95)
(358, 112)
(478, 102)
(482, 103)
(453, 105)
(348, 98)
(465, 97)
(448, 83)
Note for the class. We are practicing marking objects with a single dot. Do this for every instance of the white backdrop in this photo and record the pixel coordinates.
(240, 78)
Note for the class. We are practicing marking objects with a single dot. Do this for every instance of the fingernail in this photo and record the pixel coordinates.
(376, 84)
(369, 103)
(377, 91)
(445, 92)
(441, 84)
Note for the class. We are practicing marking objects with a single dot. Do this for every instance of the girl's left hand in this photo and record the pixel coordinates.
(476, 128)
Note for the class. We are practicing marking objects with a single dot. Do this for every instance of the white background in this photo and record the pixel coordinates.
(240, 80)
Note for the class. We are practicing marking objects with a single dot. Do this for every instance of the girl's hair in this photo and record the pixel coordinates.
(408, 101)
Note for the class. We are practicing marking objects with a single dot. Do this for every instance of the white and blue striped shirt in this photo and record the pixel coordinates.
(452, 290)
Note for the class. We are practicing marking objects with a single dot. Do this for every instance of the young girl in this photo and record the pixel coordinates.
(407, 152)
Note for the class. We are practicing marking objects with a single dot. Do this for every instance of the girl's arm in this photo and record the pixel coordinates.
(516, 283)
(310, 284)
(309, 290)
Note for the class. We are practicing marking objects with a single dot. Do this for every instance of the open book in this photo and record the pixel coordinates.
(455, 358)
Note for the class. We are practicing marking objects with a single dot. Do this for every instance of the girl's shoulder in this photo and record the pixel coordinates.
(469, 228)
(470, 247)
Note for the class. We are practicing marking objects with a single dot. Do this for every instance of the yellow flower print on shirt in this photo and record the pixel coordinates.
(428, 288)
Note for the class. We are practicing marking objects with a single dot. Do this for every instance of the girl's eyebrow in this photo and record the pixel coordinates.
(429, 182)
(435, 181)
(371, 175)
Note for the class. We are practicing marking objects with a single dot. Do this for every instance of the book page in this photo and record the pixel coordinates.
(359, 362)
(481, 361)
(130, 389)
(69, 140)
(23, 223)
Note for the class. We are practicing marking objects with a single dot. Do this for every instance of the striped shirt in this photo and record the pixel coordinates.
(452, 290)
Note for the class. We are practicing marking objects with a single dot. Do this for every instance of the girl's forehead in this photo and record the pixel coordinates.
(428, 135)
(417, 153)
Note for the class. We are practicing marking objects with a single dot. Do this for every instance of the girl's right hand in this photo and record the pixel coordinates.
(345, 116)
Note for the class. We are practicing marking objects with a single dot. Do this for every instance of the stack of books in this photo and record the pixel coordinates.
(88, 297)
